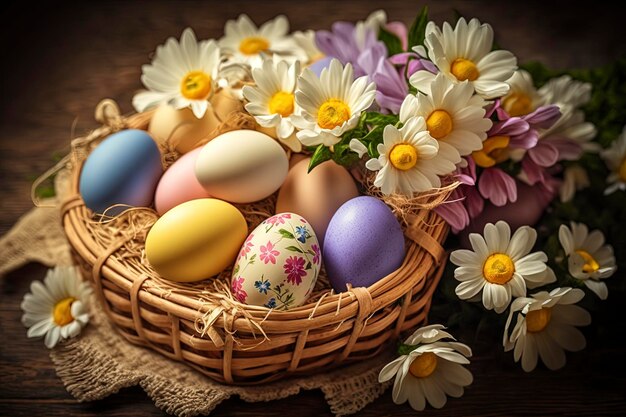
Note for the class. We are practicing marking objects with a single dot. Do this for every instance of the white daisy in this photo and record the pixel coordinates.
(272, 100)
(522, 98)
(56, 309)
(454, 116)
(331, 104)
(306, 42)
(575, 178)
(565, 92)
(245, 43)
(358, 147)
(615, 159)
(409, 160)
(431, 371)
(569, 95)
(182, 74)
(589, 259)
(545, 327)
(500, 266)
(464, 53)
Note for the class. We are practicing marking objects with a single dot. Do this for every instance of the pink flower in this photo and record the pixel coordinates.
(238, 291)
(497, 186)
(268, 253)
(247, 245)
(465, 202)
(316, 250)
(294, 268)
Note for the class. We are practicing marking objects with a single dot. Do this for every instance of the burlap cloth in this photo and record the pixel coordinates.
(100, 362)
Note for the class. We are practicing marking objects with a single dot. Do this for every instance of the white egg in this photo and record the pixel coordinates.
(242, 166)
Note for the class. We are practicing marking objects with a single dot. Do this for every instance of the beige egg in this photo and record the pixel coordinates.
(242, 166)
(316, 196)
(183, 130)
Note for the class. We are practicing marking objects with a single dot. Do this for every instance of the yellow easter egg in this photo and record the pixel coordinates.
(196, 240)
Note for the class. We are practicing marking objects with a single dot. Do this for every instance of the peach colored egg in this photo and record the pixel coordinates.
(179, 184)
(316, 195)
(182, 130)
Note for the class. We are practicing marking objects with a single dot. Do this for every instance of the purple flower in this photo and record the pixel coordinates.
(391, 87)
(414, 63)
(346, 42)
(294, 268)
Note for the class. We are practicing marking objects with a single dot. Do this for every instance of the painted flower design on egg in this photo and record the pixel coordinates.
(262, 286)
(276, 220)
(317, 254)
(279, 264)
(302, 234)
(269, 253)
(247, 246)
(238, 291)
(294, 268)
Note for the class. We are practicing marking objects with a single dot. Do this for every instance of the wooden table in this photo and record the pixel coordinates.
(60, 60)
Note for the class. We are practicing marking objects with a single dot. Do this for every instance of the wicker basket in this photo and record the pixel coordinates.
(231, 342)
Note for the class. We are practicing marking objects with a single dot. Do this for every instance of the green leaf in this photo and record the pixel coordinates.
(322, 154)
(286, 233)
(308, 266)
(379, 119)
(406, 349)
(372, 149)
(418, 28)
(293, 248)
(343, 155)
(391, 41)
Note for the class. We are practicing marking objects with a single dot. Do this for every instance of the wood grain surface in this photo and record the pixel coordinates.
(59, 60)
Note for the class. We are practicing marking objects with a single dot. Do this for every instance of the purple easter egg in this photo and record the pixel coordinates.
(363, 243)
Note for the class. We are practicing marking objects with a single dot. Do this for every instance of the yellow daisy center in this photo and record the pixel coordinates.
(518, 104)
(439, 124)
(494, 151)
(332, 113)
(537, 320)
(591, 265)
(62, 312)
(424, 365)
(403, 156)
(196, 85)
(622, 170)
(498, 268)
(253, 45)
(281, 103)
(464, 69)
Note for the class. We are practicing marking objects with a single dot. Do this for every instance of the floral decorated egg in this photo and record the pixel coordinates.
(278, 263)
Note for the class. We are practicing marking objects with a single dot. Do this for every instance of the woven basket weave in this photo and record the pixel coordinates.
(223, 339)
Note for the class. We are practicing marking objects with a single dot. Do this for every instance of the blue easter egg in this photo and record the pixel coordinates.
(124, 169)
(364, 242)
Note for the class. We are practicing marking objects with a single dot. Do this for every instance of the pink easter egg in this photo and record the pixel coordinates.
(179, 184)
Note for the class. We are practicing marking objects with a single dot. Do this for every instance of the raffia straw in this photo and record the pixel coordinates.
(403, 206)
